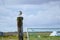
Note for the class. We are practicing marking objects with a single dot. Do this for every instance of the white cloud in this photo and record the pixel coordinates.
(48, 16)
(34, 15)
(18, 2)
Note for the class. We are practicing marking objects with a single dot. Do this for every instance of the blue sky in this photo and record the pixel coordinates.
(36, 13)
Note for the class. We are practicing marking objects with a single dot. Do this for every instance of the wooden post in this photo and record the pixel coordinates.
(20, 26)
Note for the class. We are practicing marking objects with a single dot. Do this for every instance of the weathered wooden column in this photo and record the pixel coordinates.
(20, 26)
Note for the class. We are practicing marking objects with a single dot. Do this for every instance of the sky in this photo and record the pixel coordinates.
(36, 14)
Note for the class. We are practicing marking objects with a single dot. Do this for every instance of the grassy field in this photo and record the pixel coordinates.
(42, 36)
(32, 36)
(12, 37)
(8, 38)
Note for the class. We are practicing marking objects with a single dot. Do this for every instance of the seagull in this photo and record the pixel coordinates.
(20, 12)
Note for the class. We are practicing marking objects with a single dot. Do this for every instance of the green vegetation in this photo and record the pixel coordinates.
(32, 36)
(8, 38)
(42, 36)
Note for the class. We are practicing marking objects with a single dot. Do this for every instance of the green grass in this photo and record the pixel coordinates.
(43, 36)
(32, 36)
(8, 38)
